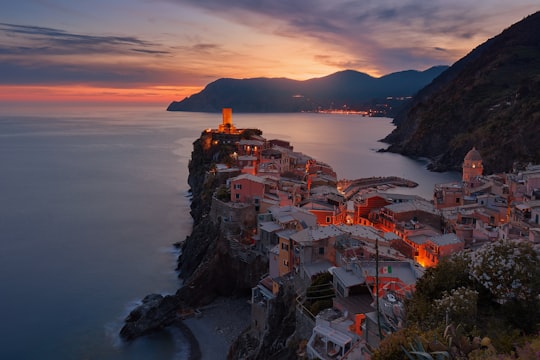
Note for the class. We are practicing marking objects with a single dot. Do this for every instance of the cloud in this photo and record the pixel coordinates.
(44, 40)
(42, 55)
(205, 47)
(369, 29)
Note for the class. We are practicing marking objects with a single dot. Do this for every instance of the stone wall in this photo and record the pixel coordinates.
(233, 216)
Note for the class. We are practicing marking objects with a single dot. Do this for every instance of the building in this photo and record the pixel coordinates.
(448, 195)
(327, 212)
(437, 247)
(405, 216)
(227, 126)
(364, 205)
(247, 188)
(472, 166)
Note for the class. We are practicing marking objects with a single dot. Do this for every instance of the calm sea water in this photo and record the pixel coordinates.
(92, 199)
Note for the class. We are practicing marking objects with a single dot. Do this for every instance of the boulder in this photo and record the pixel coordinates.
(155, 313)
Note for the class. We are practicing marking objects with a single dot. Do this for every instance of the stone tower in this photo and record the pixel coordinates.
(227, 125)
(472, 165)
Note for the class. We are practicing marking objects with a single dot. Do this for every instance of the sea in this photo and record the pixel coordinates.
(93, 197)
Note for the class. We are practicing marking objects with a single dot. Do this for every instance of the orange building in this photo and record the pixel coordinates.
(437, 247)
(327, 213)
(227, 125)
(368, 203)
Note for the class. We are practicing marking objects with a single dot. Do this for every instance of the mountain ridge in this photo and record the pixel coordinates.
(344, 89)
(489, 99)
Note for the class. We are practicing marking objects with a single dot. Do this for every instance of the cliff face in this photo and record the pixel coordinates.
(208, 265)
(490, 99)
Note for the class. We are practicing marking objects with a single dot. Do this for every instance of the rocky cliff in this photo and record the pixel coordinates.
(490, 99)
(208, 265)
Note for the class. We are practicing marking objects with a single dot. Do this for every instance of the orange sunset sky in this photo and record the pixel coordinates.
(164, 50)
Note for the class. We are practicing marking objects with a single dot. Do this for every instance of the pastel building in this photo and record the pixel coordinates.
(247, 188)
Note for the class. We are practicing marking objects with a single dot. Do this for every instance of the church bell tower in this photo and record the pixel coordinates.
(472, 165)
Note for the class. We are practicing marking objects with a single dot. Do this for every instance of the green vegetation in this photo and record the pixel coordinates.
(490, 99)
(489, 296)
(320, 293)
(223, 193)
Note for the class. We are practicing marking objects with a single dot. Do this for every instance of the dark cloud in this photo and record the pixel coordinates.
(364, 29)
(205, 47)
(51, 41)
(29, 55)
(32, 72)
(146, 51)
(40, 72)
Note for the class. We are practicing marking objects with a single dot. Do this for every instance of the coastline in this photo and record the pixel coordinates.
(211, 334)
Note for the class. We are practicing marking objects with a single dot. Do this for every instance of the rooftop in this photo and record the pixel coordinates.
(310, 235)
(361, 231)
(415, 205)
(473, 155)
(446, 239)
(399, 269)
(249, 177)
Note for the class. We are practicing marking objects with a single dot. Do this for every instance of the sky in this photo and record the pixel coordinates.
(158, 51)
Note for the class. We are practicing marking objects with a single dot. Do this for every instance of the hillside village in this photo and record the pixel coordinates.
(372, 245)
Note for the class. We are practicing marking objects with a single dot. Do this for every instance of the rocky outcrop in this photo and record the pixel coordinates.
(489, 100)
(155, 313)
(209, 265)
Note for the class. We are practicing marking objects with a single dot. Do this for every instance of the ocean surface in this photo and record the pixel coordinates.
(92, 198)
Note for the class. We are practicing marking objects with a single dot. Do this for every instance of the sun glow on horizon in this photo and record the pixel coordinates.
(83, 93)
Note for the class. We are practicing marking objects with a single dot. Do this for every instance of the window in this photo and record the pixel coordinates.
(285, 262)
(328, 219)
(458, 200)
(285, 246)
(237, 196)
(237, 186)
(321, 251)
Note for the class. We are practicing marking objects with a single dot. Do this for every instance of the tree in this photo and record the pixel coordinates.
(458, 305)
(449, 274)
(508, 270)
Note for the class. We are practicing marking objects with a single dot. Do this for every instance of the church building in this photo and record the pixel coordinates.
(472, 166)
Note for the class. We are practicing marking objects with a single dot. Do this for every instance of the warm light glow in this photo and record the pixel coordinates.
(82, 93)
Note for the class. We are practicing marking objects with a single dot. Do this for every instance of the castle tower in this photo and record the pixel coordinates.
(472, 165)
(227, 125)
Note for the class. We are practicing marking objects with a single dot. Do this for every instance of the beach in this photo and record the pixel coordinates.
(211, 334)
